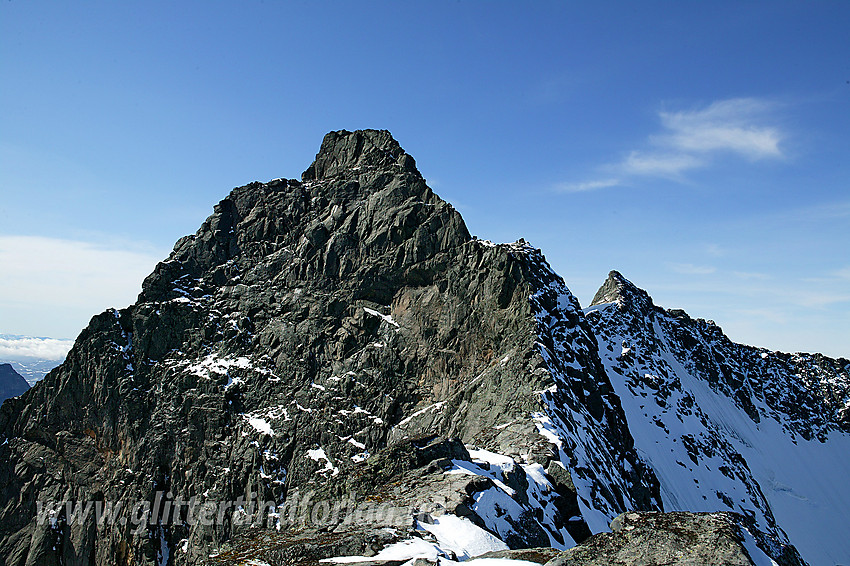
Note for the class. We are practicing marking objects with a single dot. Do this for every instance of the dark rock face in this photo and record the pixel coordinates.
(343, 365)
(12, 383)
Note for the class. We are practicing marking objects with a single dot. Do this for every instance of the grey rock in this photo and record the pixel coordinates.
(656, 539)
(539, 555)
(351, 312)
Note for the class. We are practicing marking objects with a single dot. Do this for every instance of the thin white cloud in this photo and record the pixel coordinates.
(733, 125)
(691, 269)
(63, 276)
(771, 315)
(27, 347)
(697, 138)
(751, 275)
(839, 277)
(659, 164)
(820, 299)
(715, 250)
(586, 186)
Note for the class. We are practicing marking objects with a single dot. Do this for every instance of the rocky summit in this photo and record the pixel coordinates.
(332, 370)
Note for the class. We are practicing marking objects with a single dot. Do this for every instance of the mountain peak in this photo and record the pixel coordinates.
(617, 288)
(343, 150)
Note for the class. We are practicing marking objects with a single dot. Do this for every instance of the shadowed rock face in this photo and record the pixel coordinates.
(339, 339)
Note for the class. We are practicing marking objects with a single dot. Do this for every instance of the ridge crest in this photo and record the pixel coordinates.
(618, 289)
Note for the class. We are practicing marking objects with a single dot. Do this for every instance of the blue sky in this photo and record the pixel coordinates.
(699, 148)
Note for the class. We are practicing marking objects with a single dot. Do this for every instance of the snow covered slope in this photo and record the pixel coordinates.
(732, 427)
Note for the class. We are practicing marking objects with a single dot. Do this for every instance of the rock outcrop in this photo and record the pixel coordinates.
(659, 539)
(307, 326)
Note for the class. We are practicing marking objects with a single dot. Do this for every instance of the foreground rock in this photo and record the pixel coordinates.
(660, 539)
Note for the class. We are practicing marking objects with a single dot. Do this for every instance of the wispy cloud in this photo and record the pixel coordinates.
(696, 138)
(771, 315)
(691, 269)
(13, 348)
(751, 275)
(734, 125)
(715, 250)
(588, 186)
(659, 164)
(820, 299)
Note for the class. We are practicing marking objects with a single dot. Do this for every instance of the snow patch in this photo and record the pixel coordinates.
(385, 317)
(319, 455)
(262, 425)
(497, 505)
(435, 408)
(462, 536)
(403, 550)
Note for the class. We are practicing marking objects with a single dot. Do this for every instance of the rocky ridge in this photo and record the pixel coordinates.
(339, 342)
(729, 426)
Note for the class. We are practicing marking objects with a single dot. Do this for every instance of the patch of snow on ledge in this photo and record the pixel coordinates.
(385, 317)
(262, 425)
(318, 455)
(462, 536)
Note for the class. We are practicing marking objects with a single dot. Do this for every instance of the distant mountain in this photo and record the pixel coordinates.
(32, 370)
(333, 368)
(33, 357)
(12, 383)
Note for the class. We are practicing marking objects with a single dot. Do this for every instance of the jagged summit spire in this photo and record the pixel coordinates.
(362, 196)
(617, 288)
(342, 150)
